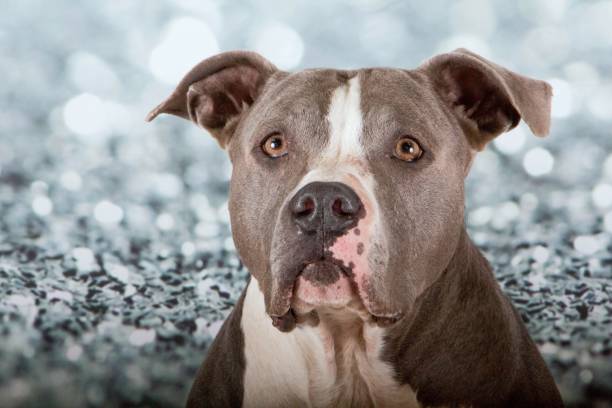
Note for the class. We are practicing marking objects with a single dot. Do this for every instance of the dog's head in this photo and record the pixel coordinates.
(347, 186)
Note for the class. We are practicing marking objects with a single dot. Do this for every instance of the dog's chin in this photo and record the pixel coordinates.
(324, 287)
(322, 284)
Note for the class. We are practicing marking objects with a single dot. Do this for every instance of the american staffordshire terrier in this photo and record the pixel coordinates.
(347, 207)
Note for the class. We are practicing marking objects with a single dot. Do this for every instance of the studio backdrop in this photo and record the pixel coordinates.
(117, 265)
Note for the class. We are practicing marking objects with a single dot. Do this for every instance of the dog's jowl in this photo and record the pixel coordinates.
(347, 207)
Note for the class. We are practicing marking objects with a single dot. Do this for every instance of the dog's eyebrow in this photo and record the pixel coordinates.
(396, 123)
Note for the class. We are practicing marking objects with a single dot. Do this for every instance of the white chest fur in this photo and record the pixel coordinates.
(334, 364)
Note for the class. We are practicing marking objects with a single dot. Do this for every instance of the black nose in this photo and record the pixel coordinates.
(326, 207)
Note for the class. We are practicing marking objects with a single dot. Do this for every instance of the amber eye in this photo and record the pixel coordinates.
(274, 145)
(408, 149)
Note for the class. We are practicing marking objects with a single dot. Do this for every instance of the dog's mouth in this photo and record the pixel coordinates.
(326, 285)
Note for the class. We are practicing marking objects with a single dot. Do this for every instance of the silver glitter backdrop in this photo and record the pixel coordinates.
(116, 261)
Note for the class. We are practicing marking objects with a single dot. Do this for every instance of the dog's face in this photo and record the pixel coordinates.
(347, 186)
(346, 205)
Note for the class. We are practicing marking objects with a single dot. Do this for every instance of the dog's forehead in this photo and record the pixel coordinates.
(379, 87)
(393, 94)
(308, 89)
(385, 97)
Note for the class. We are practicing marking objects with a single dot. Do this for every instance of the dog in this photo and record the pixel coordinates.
(347, 207)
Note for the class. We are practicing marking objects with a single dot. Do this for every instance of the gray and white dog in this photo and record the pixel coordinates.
(347, 207)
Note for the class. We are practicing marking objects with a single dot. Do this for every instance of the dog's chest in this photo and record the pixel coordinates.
(349, 373)
(334, 364)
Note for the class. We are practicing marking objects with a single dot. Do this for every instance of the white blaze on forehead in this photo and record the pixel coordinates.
(345, 122)
(343, 158)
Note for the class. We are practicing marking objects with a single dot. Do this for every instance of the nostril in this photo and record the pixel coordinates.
(343, 207)
(304, 207)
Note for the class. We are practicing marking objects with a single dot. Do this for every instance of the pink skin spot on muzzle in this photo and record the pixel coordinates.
(352, 248)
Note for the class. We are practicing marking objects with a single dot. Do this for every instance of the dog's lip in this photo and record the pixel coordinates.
(328, 261)
(287, 311)
(386, 321)
(322, 261)
(287, 320)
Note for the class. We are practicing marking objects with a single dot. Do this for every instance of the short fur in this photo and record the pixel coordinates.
(219, 382)
(398, 305)
(464, 344)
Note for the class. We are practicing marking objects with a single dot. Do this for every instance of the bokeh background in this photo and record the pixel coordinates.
(116, 260)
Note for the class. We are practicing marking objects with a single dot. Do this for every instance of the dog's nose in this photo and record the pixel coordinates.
(327, 207)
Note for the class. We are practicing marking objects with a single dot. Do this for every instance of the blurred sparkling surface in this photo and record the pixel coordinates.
(116, 262)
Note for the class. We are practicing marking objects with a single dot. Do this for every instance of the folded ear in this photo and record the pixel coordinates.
(217, 91)
(489, 99)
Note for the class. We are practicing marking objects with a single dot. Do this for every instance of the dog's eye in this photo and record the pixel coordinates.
(274, 145)
(408, 149)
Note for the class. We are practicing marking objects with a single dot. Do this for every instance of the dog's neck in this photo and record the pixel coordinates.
(459, 318)
(457, 290)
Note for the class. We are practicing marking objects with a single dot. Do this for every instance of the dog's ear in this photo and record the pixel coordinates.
(489, 99)
(217, 91)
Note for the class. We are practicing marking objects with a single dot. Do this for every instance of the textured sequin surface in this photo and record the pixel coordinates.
(117, 266)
